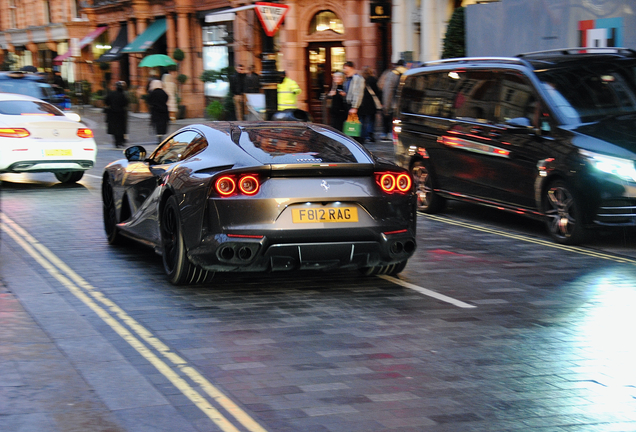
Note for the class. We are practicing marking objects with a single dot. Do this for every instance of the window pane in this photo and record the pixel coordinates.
(295, 145)
(28, 108)
(216, 58)
(517, 98)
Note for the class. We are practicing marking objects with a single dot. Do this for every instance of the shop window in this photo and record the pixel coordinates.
(12, 14)
(324, 21)
(216, 56)
(75, 9)
(47, 11)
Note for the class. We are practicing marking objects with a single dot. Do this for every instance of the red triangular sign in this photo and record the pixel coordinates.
(271, 15)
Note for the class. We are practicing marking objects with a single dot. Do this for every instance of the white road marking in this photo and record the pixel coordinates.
(427, 292)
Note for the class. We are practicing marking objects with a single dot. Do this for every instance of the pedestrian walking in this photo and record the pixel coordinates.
(288, 91)
(388, 83)
(252, 82)
(237, 88)
(158, 103)
(369, 106)
(116, 108)
(354, 87)
(170, 87)
(339, 108)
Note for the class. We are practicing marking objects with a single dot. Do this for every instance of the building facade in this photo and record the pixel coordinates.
(419, 27)
(104, 40)
(33, 32)
(534, 25)
(315, 39)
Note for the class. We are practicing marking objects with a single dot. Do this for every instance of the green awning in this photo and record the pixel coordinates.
(145, 40)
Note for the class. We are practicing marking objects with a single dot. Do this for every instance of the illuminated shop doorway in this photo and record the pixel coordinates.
(324, 57)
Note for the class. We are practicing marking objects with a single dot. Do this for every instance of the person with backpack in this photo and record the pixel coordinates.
(388, 84)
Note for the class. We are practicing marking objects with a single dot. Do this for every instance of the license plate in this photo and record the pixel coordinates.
(324, 214)
(58, 152)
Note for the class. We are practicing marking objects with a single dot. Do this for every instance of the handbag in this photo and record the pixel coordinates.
(376, 99)
(352, 126)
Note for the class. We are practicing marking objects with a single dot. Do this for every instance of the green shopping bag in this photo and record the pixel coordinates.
(352, 126)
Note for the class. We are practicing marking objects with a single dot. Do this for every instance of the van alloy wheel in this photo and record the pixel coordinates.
(427, 200)
(563, 214)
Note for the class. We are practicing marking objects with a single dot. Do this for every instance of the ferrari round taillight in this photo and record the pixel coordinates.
(225, 186)
(404, 182)
(387, 182)
(248, 185)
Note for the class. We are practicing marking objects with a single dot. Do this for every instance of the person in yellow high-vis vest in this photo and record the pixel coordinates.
(288, 91)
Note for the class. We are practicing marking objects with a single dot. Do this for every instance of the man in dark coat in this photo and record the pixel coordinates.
(237, 88)
(158, 103)
(252, 82)
(116, 104)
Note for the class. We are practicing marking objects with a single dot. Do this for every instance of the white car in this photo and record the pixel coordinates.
(35, 136)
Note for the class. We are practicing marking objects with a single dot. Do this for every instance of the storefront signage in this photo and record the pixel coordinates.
(380, 11)
(271, 16)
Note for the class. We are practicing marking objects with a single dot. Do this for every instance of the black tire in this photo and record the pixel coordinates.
(564, 218)
(69, 176)
(110, 214)
(390, 270)
(178, 268)
(427, 200)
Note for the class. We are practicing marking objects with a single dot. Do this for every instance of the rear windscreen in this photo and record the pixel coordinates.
(299, 145)
(22, 107)
(26, 87)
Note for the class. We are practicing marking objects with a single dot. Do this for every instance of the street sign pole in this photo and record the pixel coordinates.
(270, 15)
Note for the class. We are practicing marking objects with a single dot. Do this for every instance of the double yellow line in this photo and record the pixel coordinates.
(169, 364)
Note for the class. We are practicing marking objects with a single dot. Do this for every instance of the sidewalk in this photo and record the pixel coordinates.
(139, 131)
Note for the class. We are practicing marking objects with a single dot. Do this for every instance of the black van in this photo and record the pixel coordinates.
(550, 134)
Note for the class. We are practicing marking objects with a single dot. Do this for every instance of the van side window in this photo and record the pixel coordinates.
(429, 94)
(517, 99)
(477, 96)
(413, 94)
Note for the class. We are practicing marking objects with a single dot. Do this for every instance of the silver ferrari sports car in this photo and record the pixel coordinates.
(264, 196)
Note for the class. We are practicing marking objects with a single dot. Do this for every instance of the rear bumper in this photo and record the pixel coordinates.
(223, 253)
(49, 166)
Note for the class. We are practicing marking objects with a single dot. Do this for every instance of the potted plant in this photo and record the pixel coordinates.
(215, 110)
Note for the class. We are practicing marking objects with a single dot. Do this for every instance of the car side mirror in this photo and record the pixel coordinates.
(135, 153)
(520, 125)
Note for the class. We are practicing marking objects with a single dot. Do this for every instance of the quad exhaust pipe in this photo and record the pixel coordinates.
(236, 252)
(399, 247)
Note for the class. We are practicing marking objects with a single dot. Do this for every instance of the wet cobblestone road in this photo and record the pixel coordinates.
(93, 337)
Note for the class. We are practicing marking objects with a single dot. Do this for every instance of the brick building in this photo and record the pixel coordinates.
(33, 32)
(315, 39)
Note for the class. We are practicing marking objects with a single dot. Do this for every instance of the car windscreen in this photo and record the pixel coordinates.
(22, 107)
(592, 91)
(298, 145)
(26, 87)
